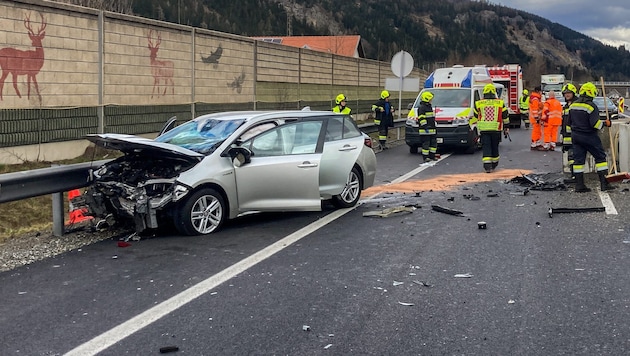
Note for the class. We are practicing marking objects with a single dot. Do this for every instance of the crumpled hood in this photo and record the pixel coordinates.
(139, 145)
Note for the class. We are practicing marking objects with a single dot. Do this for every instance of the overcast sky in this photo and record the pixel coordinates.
(604, 20)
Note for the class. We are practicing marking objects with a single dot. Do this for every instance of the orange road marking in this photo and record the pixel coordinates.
(444, 182)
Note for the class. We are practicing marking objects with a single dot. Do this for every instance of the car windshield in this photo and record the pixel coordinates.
(448, 98)
(599, 101)
(202, 136)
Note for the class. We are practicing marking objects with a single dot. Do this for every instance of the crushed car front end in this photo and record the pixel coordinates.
(137, 188)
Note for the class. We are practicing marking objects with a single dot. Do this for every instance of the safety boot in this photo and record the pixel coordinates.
(604, 185)
(571, 179)
(579, 184)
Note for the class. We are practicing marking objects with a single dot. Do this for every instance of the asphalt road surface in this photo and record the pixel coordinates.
(420, 282)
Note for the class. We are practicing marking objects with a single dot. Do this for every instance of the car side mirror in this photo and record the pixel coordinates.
(410, 106)
(240, 156)
(168, 125)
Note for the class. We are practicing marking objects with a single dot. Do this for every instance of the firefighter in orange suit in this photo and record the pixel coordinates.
(491, 115)
(551, 120)
(535, 112)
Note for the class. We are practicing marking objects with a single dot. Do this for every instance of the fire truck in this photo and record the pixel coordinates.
(511, 76)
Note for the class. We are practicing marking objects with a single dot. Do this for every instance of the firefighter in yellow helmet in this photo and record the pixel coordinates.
(585, 124)
(570, 93)
(427, 127)
(491, 115)
(383, 117)
(340, 105)
(523, 105)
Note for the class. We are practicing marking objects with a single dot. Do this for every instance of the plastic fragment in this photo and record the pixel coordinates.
(463, 275)
(423, 283)
(306, 328)
(406, 304)
(327, 346)
(511, 301)
(396, 283)
(167, 349)
(446, 210)
(389, 211)
(123, 244)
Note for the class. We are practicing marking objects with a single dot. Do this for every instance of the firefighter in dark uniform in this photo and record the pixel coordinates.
(384, 117)
(585, 124)
(426, 123)
(492, 118)
(570, 95)
(523, 105)
(340, 106)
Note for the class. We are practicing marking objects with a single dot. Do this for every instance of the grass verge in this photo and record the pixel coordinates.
(35, 214)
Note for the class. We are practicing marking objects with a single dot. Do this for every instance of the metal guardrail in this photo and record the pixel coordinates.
(59, 179)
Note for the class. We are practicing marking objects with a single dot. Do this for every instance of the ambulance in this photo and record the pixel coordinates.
(455, 91)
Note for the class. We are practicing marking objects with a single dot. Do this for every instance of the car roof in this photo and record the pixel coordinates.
(255, 115)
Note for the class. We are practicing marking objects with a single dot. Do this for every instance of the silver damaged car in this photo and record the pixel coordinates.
(219, 166)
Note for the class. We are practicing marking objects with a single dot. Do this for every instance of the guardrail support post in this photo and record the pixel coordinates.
(58, 213)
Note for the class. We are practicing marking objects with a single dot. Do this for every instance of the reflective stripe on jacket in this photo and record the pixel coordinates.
(535, 106)
(426, 119)
(491, 114)
(523, 103)
(346, 110)
(552, 112)
(584, 116)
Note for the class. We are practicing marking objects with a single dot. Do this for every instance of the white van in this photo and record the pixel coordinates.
(455, 91)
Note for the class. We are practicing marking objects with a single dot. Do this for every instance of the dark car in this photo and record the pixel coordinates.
(613, 110)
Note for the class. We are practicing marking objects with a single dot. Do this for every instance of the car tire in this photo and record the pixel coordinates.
(413, 149)
(351, 192)
(204, 212)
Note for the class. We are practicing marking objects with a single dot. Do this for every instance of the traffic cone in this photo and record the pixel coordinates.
(77, 215)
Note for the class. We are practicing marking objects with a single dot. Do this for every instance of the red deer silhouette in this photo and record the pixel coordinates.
(161, 70)
(29, 63)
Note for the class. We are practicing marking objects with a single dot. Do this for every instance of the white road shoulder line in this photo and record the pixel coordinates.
(153, 314)
(608, 203)
(138, 322)
(417, 170)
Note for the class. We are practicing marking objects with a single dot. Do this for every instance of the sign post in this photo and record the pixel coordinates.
(402, 64)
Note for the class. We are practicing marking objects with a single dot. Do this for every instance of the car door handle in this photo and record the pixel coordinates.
(348, 148)
(307, 164)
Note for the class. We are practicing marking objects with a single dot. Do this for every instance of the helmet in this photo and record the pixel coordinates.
(525, 91)
(340, 98)
(490, 89)
(588, 89)
(384, 94)
(426, 96)
(569, 88)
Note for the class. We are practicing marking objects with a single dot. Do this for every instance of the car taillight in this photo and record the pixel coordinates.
(368, 142)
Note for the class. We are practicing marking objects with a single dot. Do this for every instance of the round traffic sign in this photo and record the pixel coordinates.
(402, 64)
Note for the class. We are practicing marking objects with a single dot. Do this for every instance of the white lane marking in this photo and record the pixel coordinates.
(417, 170)
(138, 322)
(120, 332)
(608, 203)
